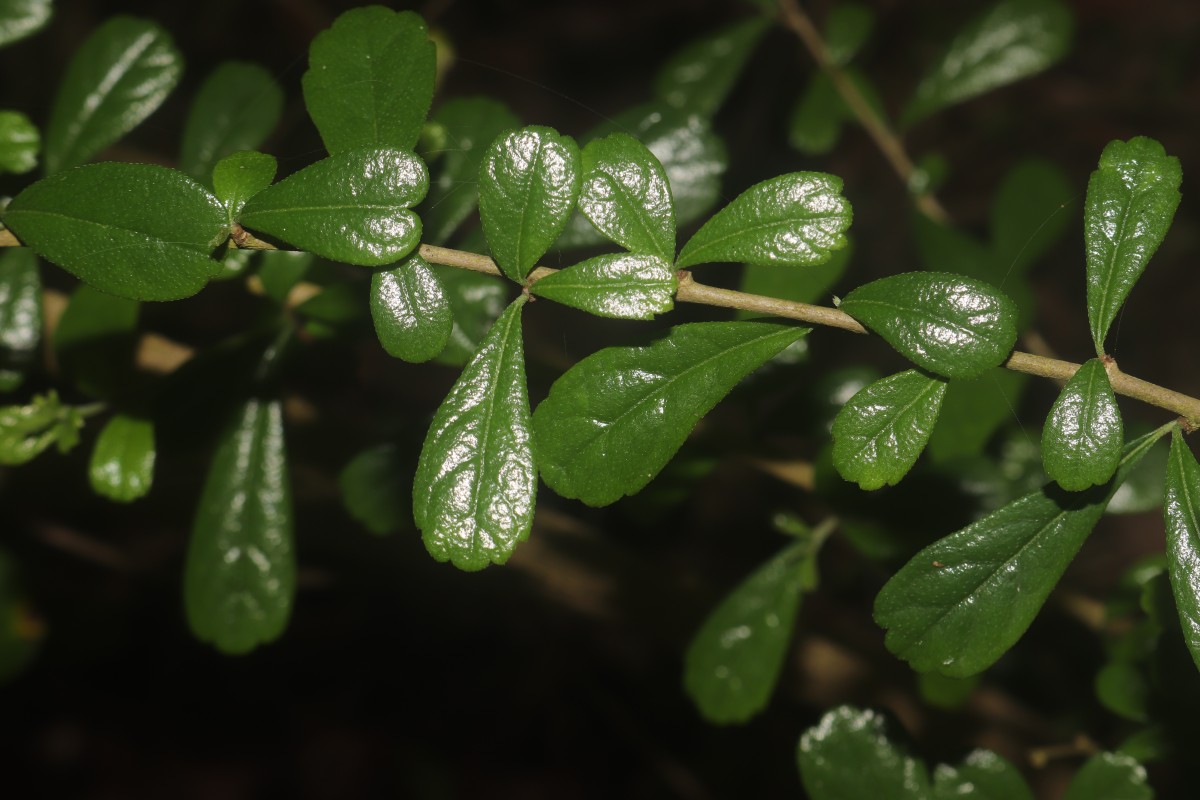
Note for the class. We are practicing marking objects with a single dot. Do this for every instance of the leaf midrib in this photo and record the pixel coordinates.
(688, 256)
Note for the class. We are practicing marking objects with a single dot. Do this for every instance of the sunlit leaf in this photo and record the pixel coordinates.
(236, 108)
(850, 736)
(410, 311)
(1082, 438)
(621, 285)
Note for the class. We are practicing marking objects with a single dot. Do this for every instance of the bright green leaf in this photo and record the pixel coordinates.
(1082, 439)
(735, 658)
(1131, 200)
(20, 314)
(240, 575)
(373, 489)
(27, 431)
(134, 230)
(620, 285)
(947, 324)
(614, 420)
(1110, 776)
(22, 18)
(983, 775)
(94, 341)
(699, 76)
(19, 142)
(808, 285)
(280, 270)
(881, 431)
(847, 29)
(474, 490)
(351, 207)
(119, 77)
(236, 108)
(122, 465)
(793, 220)
(1182, 514)
(625, 195)
(476, 301)
(850, 736)
(1013, 39)
(411, 314)
(239, 176)
(370, 80)
(964, 600)
(528, 184)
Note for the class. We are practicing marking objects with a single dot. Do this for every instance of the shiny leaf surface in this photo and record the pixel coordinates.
(20, 314)
(948, 324)
(620, 285)
(793, 220)
(95, 339)
(983, 775)
(700, 75)
(961, 602)
(1082, 438)
(1110, 776)
(22, 18)
(370, 80)
(134, 230)
(19, 142)
(851, 736)
(240, 574)
(880, 432)
(1182, 514)
(27, 431)
(474, 491)
(351, 207)
(411, 314)
(614, 420)
(238, 177)
(626, 196)
(122, 464)
(374, 487)
(119, 77)
(1131, 200)
(528, 184)
(236, 108)
(1013, 39)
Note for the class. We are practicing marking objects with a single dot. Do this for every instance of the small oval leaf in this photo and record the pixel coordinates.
(881, 769)
(372, 487)
(983, 775)
(122, 465)
(1082, 439)
(239, 176)
(237, 108)
(20, 315)
(411, 314)
(19, 142)
(620, 285)
(626, 195)
(1182, 514)
(700, 75)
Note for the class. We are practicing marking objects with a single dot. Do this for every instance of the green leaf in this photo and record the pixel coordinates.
(239, 176)
(947, 324)
(476, 301)
(614, 420)
(626, 196)
(620, 285)
(240, 575)
(351, 207)
(1082, 439)
(469, 125)
(699, 76)
(22, 18)
(338, 304)
(973, 411)
(815, 122)
(881, 431)
(794, 220)
(809, 285)
(528, 185)
(847, 29)
(19, 142)
(134, 230)
(119, 77)
(20, 315)
(1014, 39)
(1182, 514)
(1145, 488)
(280, 270)
(476, 480)
(95, 339)
(237, 108)
(27, 431)
(1121, 688)
(412, 316)
(949, 694)
(1131, 200)
(734, 659)
(1029, 214)
(983, 775)
(960, 603)
(372, 487)
(1110, 776)
(880, 770)
(122, 465)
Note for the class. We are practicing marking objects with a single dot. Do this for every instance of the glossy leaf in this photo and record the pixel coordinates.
(22, 18)
(1082, 438)
(851, 736)
(236, 108)
(351, 207)
(1110, 776)
(620, 285)
(370, 80)
(95, 339)
(20, 315)
(1013, 39)
(983, 775)
(1182, 513)
(374, 487)
(474, 490)
(847, 29)
(133, 230)
(469, 125)
(411, 314)
(1131, 200)
(19, 142)
(122, 465)
(119, 77)
(238, 177)
(961, 602)
(700, 75)
(476, 301)
(240, 575)
(881, 431)
(793, 220)
(614, 420)
(625, 195)
(27, 431)
(734, 659)
(948, 324)
(528, 185)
